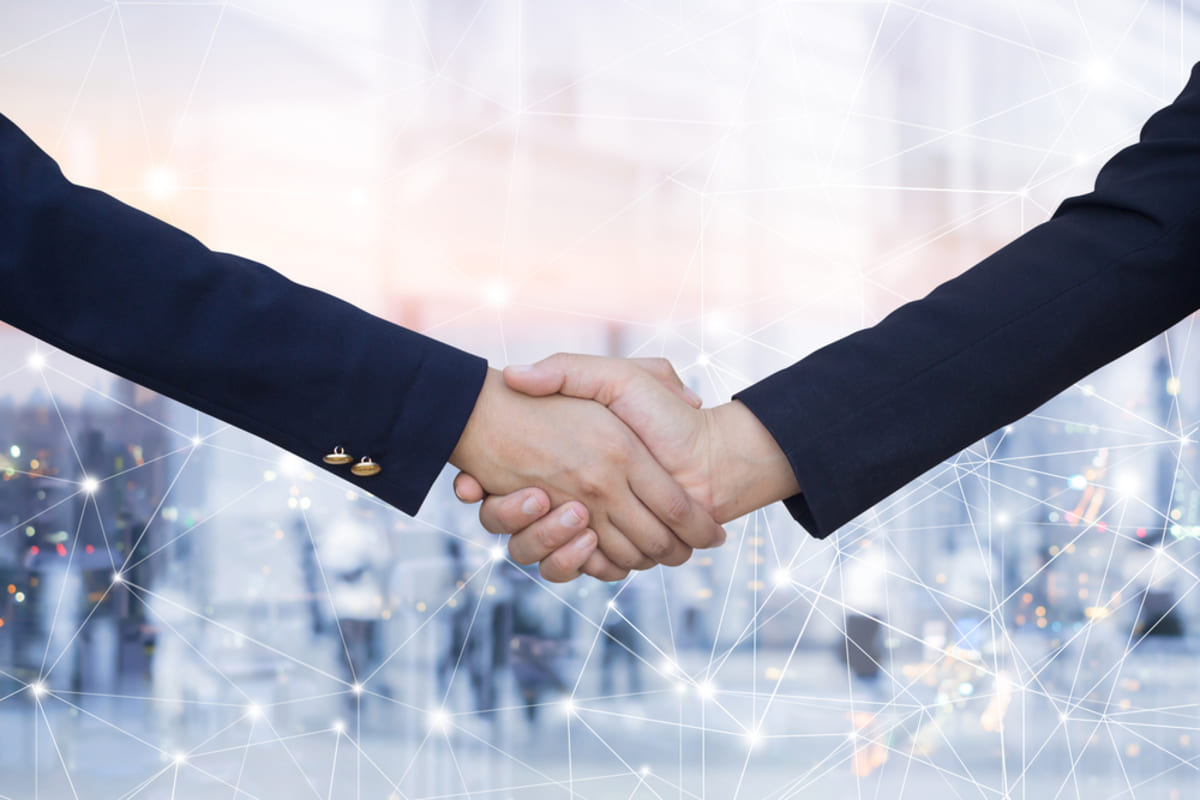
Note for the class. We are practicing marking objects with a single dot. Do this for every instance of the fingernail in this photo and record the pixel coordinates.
(532, 506)
(570, 518)
(695, 398)
(584, 542)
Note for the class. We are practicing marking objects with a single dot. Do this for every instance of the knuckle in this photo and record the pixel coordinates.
(677, 556)
(546, 536)
(555, 572)
(628, 559)
(519, 554)
(678, 510)
(660, 548)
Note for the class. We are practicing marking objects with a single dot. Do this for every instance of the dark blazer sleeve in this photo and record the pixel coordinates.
(228, 336)
(863, 416)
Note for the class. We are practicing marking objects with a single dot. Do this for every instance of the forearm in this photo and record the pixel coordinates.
(223, 334)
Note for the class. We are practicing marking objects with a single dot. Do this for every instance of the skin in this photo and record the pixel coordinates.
(723, 456)
(588, 465)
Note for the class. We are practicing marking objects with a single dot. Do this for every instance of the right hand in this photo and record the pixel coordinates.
(573, 450)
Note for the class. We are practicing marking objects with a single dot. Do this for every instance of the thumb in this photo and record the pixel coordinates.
(587, 377)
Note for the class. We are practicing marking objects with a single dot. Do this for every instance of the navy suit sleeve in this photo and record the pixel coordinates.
(223, 334)
(863, 416)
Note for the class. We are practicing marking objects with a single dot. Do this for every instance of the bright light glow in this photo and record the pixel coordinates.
(90, 485)
(196, 440)
(568, 706)
(38, 688)
(253, 711)
(497, 553)
(181, 758)
(496, 294)
(290, 465)
(753, 737)
(645, 770)
(117, 577)
(439, 721)
(706, 690)
(782, 577)
(357, 688)
(339, 726)
(14, 451)
(37, 361)
(703, 360)
(1128, 483)
(161, 183)
(1002, 519)
(1098, 73)
(668, 667)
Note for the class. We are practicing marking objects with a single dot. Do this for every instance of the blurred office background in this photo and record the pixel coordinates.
(728, 184)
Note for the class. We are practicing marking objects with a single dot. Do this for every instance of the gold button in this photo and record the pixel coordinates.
(338, 457)
(366, 468)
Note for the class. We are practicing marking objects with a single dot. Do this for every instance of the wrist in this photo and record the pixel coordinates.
(472, 447)
(750, 469)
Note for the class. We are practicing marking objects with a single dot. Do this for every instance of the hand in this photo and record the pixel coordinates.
(723, 456)
(578, 451)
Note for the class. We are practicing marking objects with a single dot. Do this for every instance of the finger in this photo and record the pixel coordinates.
(536, 541)
(509, 513)
(467, 489)
(600, 568)
(673, 507)
(662, 369)
(566, 563)
(619, 548)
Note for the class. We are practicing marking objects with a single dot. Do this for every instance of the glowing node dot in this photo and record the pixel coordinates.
(357, 688)
(753, 737)
(1023, 193)
(117, 577)
(782, 577)
(339, 726)
(253, 711)
(181, 758)
(161, 183)
(612, 605)
(439, 720)
(568, 706)
(496, 295)
(38, 688)
(703, 360)
(645, 770)
(37, 361)
(1098, 73)
(497, 553)
(196, 441)
(14, 451)
(706, 690)
(90, 485)
(1173, 386)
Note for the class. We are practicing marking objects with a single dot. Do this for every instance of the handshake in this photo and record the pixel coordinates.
(599, 466)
